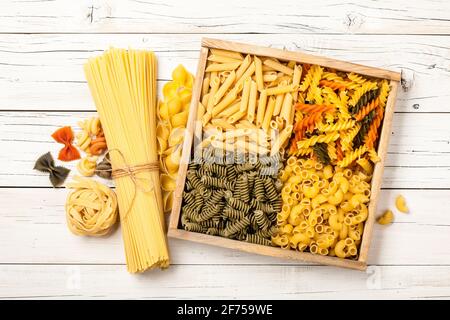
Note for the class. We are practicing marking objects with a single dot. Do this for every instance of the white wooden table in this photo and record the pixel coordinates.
(43, 45)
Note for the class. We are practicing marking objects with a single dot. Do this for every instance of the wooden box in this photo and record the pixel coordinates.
(174, 226)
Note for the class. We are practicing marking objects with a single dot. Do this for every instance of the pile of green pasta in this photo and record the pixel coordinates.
(233, 197)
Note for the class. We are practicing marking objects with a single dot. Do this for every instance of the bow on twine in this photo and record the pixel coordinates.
(143, 184)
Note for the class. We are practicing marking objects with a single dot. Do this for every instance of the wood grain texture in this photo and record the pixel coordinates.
(45, 72)
(43, 45)
(224, 282)
(33, 230)
(299, 56)
(418, 155)
(377, 180)
(188, 140)
(201, 16)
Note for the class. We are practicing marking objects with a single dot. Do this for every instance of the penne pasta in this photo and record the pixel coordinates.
(269, 77)
(296, 80)
(226, 53)
(222, 123)
(224, 87)
(279, 67)
(258, 73)
(247, 74)
(261, 107)
(223, 66)
(252, 101)
(228, 111)
(226, 101)
(205, 86)
(268, 114)
(285, 112)
(222, 59)
(245, 95)
(278, 104)
(281, 89)
(243, 67)
(281, 139)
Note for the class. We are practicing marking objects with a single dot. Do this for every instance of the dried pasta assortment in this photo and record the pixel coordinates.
(172, 118)
(321, 124)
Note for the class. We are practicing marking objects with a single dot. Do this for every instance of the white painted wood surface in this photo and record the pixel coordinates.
(43, 45)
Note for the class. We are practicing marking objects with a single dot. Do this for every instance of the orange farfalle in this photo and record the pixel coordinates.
(64, 135)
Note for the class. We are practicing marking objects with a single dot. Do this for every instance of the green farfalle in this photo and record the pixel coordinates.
(57, 174)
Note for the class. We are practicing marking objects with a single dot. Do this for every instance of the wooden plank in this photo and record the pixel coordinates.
(378, 169)
(418, 154)
(187, 143)
(172, 16)
(46, 72)
(34, 219)
(301, 57)
(264, 250)
(284, 55)
(223, 282)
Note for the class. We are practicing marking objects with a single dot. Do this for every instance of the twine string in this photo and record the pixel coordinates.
(143, 184)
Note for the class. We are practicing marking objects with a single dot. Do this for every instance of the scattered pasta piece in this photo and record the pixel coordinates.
(87, 166)
(91, 209)
(57, 174)
(64, 135)
(400, 204)
(104, 169)
(386, 218)
(91, 138)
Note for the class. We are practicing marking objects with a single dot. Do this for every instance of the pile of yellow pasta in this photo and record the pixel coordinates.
(324, 208)
(172, 114)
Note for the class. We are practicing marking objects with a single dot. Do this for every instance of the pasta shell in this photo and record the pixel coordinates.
(185, 96)
(170, 89)
(179, 74)
(162, 130)
(169, 151)
(162, 166)
(167, 183)
(173, 161)
(164, 111)
(161, 145)
(176, 136)
(174, 106)
(179, 119)
(167, 201)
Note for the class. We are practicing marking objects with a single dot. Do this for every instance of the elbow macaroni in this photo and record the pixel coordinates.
(324, 209)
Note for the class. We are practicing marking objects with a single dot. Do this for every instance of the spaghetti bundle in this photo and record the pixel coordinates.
(123, 85)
